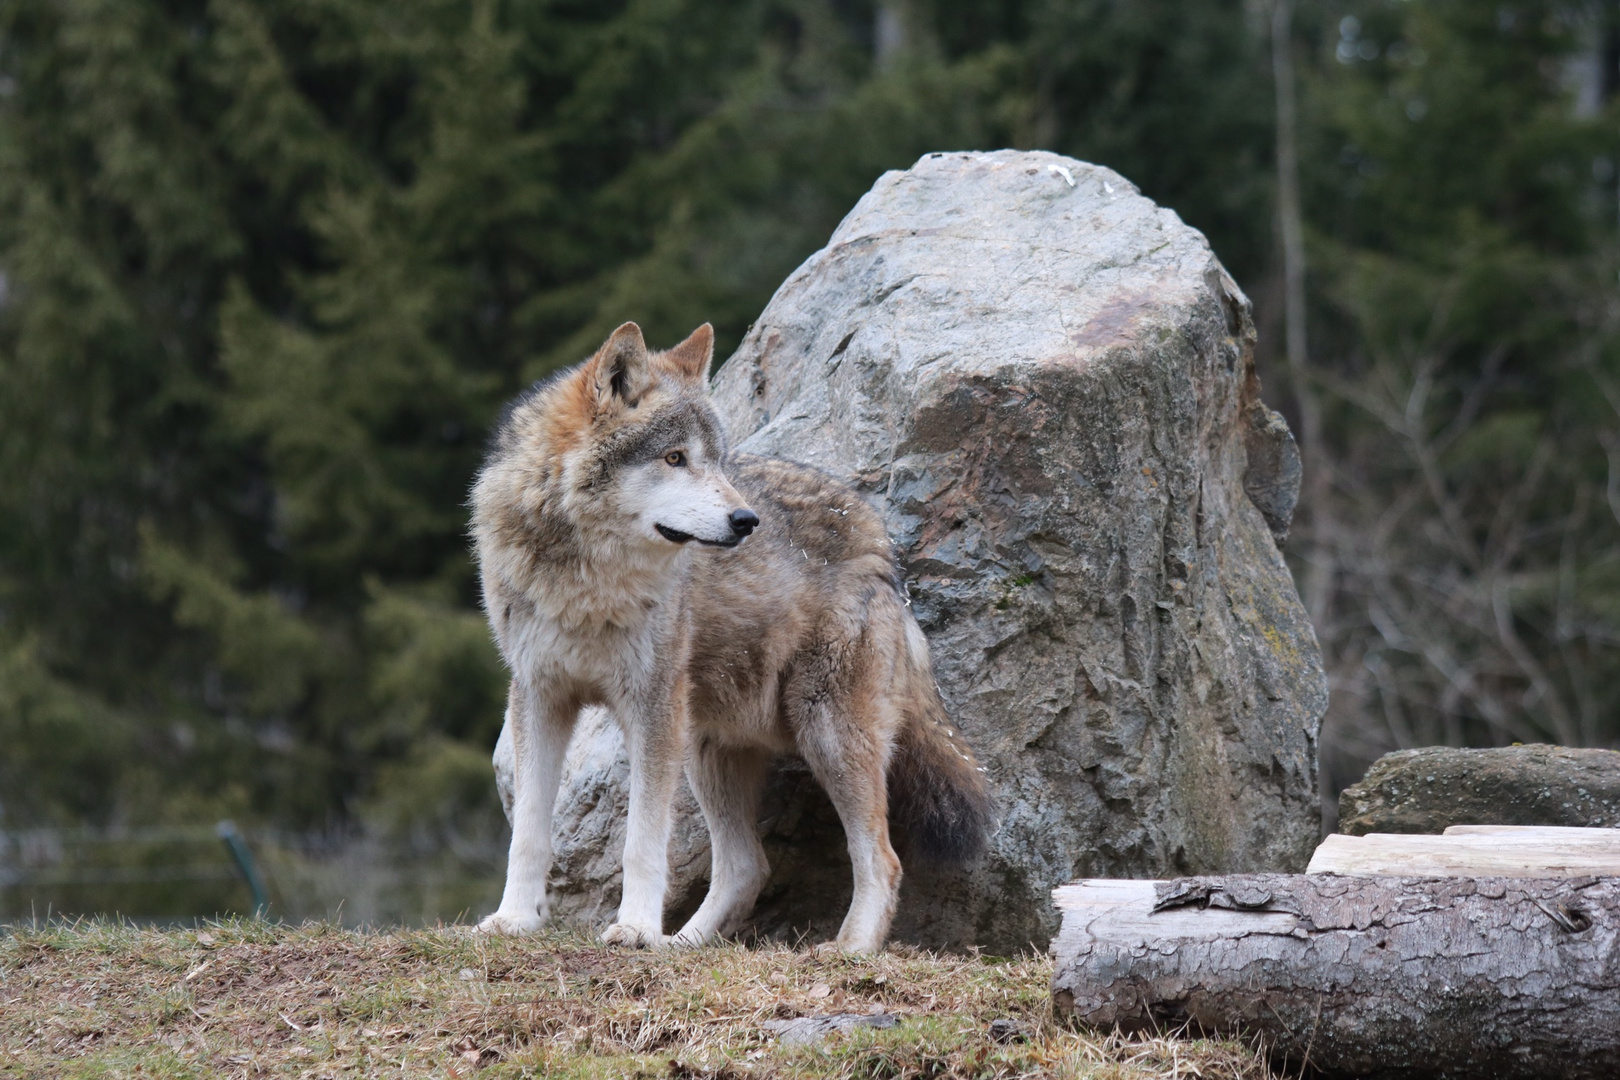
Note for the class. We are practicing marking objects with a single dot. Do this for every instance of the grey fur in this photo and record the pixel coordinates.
(673, 426)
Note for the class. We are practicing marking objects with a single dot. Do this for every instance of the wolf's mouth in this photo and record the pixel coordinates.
(675, 536)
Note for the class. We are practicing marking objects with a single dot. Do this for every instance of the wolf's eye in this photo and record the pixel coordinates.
(676, 458)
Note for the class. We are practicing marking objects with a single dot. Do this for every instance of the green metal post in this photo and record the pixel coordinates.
(242, 856)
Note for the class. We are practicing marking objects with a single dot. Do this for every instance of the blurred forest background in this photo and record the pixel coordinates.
(269, 268)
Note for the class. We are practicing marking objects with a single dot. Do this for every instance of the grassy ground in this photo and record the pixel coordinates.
(248, 999)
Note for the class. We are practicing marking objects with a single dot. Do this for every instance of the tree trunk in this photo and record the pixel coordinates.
(1358, 976)
(1291, 228)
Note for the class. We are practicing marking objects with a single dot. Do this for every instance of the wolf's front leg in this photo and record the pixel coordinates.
(654, 737)
(536, 733)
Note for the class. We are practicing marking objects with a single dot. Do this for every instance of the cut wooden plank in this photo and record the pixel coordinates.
(1571, 832)
(1370, 977)
(1532, 852)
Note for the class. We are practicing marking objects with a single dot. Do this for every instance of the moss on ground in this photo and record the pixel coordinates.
(244, 999)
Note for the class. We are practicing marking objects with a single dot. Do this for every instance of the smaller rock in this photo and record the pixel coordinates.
(1430, 789)
(1008, 1031)
(1274, 474)
(805, 1030)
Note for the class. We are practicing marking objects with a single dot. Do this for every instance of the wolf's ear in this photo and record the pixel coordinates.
(691, 357)
(619, 368)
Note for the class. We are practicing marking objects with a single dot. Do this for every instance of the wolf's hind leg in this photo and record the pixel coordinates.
(728, 782)
(844, 745)
(537, 732)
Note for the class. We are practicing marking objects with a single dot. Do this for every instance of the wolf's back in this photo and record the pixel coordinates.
(936, 786)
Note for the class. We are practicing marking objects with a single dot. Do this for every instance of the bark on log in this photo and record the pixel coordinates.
(1361, 977)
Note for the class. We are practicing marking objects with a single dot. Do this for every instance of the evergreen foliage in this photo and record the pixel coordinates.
(269, 268)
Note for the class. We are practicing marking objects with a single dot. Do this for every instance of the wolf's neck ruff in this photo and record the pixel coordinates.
(575, 594)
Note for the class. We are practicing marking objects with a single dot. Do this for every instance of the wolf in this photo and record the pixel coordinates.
(726, 608)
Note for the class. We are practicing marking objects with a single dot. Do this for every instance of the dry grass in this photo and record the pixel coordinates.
(245, 999)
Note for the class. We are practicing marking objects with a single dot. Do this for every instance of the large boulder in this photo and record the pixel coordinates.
(1430, 789)
(1047, 384)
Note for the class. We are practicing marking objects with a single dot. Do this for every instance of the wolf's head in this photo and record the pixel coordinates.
(657, 447)
(624, 449)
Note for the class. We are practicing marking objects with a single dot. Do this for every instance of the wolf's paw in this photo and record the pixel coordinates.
(689, 938)
(631, 936)
(510, 924)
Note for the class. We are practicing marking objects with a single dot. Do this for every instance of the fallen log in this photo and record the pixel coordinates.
(1370, 977)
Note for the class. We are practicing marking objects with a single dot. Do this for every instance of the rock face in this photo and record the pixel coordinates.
(1046, 383)
(1431, 789)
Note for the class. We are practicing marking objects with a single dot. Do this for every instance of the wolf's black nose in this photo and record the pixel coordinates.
(743, 521)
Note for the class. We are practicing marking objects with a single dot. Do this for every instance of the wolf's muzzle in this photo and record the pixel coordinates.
(742, 523)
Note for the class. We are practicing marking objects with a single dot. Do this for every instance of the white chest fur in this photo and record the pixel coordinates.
(594, 628)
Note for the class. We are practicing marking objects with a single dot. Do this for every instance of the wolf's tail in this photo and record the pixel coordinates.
(936, 787)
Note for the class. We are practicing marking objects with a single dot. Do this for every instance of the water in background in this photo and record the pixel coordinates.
(185, 874)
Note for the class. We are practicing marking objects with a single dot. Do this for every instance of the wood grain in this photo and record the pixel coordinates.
(1473, 851)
